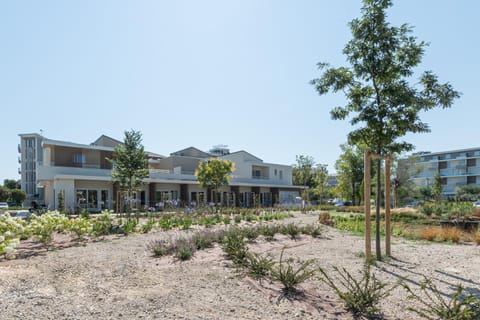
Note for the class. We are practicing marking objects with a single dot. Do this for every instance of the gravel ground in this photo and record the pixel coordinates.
(117, 278)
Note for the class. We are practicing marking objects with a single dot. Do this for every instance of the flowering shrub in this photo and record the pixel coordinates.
(11, 230)
(42, 227)
(81, 227)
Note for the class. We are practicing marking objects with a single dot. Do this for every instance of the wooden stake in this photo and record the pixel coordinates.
(387, 206)
(366, 179)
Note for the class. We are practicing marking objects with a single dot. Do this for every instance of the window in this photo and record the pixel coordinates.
(442, 165)
(275, 172)
(471, 162)
(443, 181)
(471, 180)
(280, 174)
(79, 158)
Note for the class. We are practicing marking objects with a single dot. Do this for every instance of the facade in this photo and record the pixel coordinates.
(80, 176)
(456, 168)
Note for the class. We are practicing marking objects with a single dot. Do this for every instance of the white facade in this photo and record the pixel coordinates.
(81, 175)
(456, 168)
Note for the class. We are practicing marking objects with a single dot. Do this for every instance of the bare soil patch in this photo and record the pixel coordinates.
(117, 278)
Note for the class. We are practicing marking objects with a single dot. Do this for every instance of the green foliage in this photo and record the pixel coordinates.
(349, 169)
(214, 173)
(204, 239)
(314, 230)
(268, 231)
(291, 275)
(360, 296)
(102, 225)
(226, 220)
(160, 247)
(80, 226)
(18, 195)
(237, 219)
(42, 227)
(437, 188)
(184, 249)
(234, 246)
(129, 162)
(147, 227)
(11, 184)
(129, 226)
(432, 305)
(11, 231)
(258, 266)
(290, 229)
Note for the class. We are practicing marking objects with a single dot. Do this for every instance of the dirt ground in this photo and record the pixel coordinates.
(117, 278)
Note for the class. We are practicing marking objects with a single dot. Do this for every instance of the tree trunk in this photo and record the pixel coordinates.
(378, 251)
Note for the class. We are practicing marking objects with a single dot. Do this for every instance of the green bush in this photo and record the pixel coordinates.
(258, 266)
(184, 249)
(80, 226)
(11, 231)
(360, 296)
(102, 225)
(147, 227)
(291, 275)
(234, 246)
(291, 230)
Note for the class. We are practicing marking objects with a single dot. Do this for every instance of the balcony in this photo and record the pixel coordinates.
(49, 172)
(163, 174)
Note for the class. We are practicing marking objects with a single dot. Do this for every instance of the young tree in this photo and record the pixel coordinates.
(129, 164)
(18, 195)
(303, 173)
(321, 181)
(214, 173)
(349, 169)
(385, 103)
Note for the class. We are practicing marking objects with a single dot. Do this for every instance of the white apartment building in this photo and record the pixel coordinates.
(456, 168)
(81, 175)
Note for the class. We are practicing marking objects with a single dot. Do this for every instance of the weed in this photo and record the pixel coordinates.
(360, 296)
(432, 304)
(291, 276)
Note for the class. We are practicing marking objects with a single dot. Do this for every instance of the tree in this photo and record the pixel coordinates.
(437, 188)
(321, 181)
(18, 195)
(467, 192)
(303, 173)
(349, 169)
(129, 164)
(11, 184)
(385, 103)
(215, 173)
(403, 171)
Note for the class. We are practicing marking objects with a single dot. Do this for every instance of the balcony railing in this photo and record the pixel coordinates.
(260, 177)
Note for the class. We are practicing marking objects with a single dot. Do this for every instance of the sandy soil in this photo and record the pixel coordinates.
(117, 278)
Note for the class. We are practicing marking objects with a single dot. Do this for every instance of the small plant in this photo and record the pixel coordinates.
(268, 231)
(203, 239)
(226, 220)
(313, 230)
(237, 219)
(102, 225)
(259, 266)
(433, 305)
(147, 227)
(129, 226)
(290, 275)
(429, 233)
(250, 233)
(476, 237)
(160, 247)
(234, 246)
(450, 234)
(81, 227)
(290, 229)
(360, 296)
(184, 249)
(186, 223)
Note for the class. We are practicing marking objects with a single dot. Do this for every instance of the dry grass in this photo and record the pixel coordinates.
(476, 237)
(430, 233)
(450, 234)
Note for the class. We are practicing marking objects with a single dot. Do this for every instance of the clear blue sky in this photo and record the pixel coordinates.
(200, 73)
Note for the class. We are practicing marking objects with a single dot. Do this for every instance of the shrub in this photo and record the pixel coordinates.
(186, 223)
(165, 223)
(250, 233)
(81, 227)
(428, 209)
(11, 231)
(290, 275)
(290, 229)
(203, 239)
(432, 304)
(42, 227)
(268, 231)
(237, 219)
(160, 247)
(450, 234)
(476, 237)
(184, 249)
(313, 230)
(226, 220)
(258, 266)
(360, 296)
(234, 246)
(129, 225)
(102, 225)
(147, 227)
(429, 233)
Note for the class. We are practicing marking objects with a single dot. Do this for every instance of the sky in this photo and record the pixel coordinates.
(202, 73)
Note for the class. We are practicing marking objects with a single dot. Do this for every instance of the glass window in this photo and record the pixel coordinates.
(92, 199)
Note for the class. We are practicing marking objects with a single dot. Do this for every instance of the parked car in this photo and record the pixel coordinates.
(413, 204)
(23, 214)
(476, 204)
(4, 205)
(343, 204)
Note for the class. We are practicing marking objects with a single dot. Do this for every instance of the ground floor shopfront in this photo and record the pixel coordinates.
(75, 195)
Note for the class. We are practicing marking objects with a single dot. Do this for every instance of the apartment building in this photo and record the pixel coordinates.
(81, 175)
(456, 168)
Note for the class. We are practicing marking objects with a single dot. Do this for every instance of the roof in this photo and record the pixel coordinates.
(191, 152)
(106, 141)
(245, 153)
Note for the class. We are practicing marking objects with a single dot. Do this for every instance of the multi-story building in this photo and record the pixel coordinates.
(456, 168)
(80, 175)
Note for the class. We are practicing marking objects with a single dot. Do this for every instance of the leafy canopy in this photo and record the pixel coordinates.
(129, 161)
(214, 173)
(384, 105)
